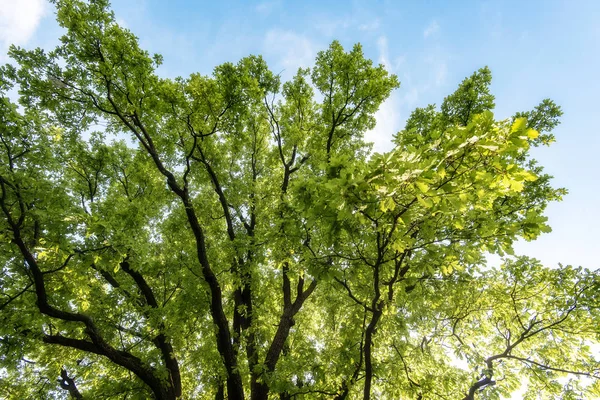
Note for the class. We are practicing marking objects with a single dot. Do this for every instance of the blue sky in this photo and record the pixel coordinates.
(536, 49)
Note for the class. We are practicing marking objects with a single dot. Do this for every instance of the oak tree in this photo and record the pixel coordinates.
(234, 236)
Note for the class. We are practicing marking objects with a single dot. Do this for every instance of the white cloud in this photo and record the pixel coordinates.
(491, 17)
(19, 19)
(388, 123)
(437, 61)
(341, 25)
(388, 115)
(289, 50)
(384, 56)
(410, 99)
(441, 72)
(398, 62)
(330, 27)
(267, 7)
(431, 29)
(369, 26)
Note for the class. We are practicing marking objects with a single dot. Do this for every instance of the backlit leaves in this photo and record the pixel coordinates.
(153, 208)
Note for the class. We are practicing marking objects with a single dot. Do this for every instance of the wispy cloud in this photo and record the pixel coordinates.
(492, 18)
(19, 20)
(440, 73)
(388, 116)
(410, 98)
(329, 27)
(370, 26)
(436, 67)
(391, 65)
(384, 53)
(431, 29)
(267, 7)
(122, 23)
(289, 50)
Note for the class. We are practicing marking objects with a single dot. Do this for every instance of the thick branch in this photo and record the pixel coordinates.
(224, 344)
(68, 384)
(286, 322)
(98, 344)
(161, 341)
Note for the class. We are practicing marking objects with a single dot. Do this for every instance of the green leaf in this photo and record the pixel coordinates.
(423, 187)
(424, 201)
(532, 134)
(156, 234)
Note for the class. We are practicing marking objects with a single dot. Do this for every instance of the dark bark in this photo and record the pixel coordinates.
(235, 389)
(286, 322)
(68, 384)
(242, 296)
(479, 385)
(377, 309)
(160, 341)
(242, 320)
(220, 395)
(369, 333)
(97, 343)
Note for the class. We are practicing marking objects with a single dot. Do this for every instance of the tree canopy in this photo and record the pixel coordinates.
(234, 236)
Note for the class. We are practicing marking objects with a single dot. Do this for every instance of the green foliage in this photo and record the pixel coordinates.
(231, 235)
(471, 98)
